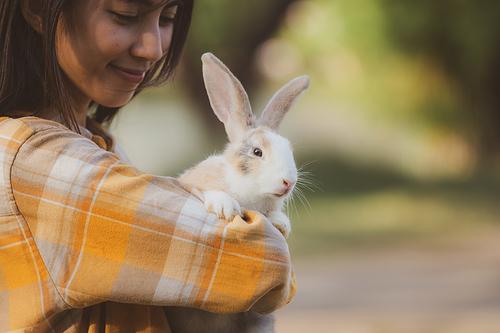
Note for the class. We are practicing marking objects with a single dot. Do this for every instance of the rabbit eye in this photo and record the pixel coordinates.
(257, 152)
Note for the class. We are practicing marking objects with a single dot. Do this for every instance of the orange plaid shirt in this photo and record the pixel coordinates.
(90, 244)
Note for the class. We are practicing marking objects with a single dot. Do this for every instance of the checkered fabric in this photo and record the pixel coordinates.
(90, 244)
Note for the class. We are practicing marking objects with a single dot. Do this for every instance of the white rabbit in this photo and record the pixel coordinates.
(256, 171)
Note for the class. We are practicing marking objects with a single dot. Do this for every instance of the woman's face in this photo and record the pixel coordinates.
(105, 47)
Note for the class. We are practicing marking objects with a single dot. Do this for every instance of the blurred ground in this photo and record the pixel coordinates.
(446, 285)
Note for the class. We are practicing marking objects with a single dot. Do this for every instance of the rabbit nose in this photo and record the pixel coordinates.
(287, 183)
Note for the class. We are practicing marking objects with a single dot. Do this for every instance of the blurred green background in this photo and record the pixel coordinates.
(398, 134)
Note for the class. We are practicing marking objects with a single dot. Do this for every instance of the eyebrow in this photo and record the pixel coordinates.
(145, 2)
(149, 2)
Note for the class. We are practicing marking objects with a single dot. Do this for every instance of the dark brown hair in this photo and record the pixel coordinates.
(31, 79)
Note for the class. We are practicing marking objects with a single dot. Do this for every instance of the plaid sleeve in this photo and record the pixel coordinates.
(103, 231)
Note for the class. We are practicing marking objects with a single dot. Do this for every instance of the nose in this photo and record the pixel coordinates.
(288, 184)
(149, 44)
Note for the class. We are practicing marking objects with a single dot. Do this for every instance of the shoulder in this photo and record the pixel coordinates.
(33, 142)
(40, 124)
(21, 129)
(13, 130)
(15, 133)
(34, 133)
(17, 146)
(52, 136)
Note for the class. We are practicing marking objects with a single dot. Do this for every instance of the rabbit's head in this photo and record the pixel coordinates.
(262, 164)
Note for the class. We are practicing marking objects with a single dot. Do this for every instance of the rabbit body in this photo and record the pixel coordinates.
(238, 178)
(188, 320)
(256, 172)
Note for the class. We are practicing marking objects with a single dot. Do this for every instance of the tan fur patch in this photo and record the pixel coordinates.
(265, 141)
(207, 176)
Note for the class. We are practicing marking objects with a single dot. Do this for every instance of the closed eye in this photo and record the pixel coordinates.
(125, 19)
(129, 19)
(168, 15)
(165, 20)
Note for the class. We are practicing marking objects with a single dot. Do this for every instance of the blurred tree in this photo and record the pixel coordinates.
(463, 38)
(232, 30)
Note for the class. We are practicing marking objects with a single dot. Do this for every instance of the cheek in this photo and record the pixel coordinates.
(242, 165)
(251, 167)
(166, 38)
(107, 41)
(83, 51)
(69, 56)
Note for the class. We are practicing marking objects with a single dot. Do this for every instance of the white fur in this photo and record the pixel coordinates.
(258, 192)
(239, 179)
(221, 204)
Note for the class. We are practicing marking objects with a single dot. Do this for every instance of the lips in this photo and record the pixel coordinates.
(132, 75)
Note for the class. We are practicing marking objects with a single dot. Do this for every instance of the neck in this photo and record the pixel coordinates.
(81, 118)
(81, 104)
(52, 114)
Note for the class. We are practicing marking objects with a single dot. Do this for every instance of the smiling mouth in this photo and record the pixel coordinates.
(134, 76)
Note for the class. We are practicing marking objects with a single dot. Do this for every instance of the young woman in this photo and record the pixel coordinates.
(89, 243)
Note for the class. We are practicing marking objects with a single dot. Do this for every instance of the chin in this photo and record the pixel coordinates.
(115, 101)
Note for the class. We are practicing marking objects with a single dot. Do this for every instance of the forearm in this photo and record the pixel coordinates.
(105, 231)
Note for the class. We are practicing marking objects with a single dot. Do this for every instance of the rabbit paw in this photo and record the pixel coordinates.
(221, 204)
(280, 221)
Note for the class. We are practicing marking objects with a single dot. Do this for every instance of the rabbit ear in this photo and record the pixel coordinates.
(227, 97)
(283, 101)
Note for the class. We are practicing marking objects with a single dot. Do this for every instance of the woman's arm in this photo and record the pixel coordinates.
(106, 231)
